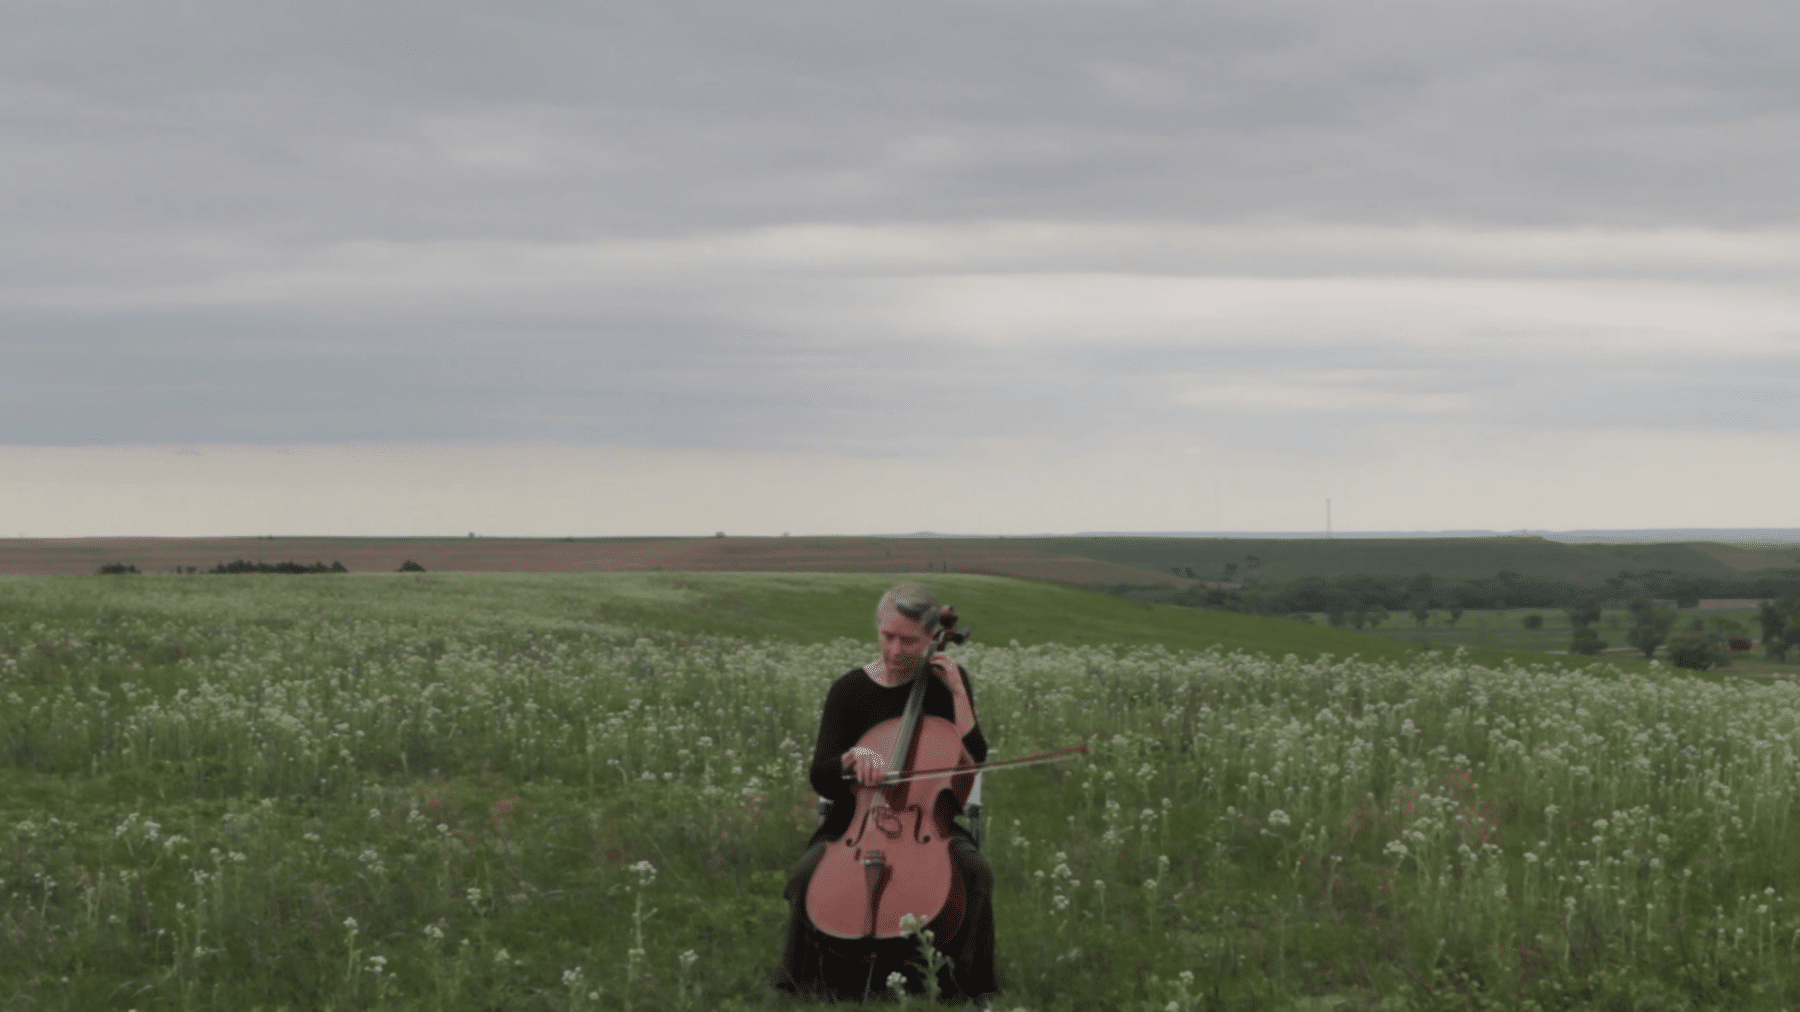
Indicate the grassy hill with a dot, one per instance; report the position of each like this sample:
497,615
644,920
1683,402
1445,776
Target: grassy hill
791,607
1283,559
1083,561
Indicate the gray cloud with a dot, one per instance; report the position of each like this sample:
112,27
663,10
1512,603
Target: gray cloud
240,376
814,226
547,119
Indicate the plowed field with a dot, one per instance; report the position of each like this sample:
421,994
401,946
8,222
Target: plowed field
998,556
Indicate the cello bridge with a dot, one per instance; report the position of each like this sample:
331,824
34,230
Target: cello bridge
889,823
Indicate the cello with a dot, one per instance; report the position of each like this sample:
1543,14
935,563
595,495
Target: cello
894,859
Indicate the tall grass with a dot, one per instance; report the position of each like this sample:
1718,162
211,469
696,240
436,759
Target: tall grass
206,808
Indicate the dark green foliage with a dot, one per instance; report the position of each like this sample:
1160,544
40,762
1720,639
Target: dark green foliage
1789,640
409,566
1585,612
1224,600
1295,575
1583,640
1780,621
1282,559
117,569
246,566
1773,619
1533,621
1651,625
1696,652
1507,589
1586,642
1645,638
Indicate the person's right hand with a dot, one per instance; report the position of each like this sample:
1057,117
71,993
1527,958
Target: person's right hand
868,766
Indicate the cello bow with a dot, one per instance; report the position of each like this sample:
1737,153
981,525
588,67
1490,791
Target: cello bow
1055,755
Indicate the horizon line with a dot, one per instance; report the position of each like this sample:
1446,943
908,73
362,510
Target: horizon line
1733,535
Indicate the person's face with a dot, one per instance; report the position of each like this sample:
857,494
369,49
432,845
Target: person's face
903,643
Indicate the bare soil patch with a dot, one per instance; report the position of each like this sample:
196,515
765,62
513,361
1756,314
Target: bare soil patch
996,556
1748,559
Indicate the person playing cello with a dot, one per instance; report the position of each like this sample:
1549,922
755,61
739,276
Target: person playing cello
905,621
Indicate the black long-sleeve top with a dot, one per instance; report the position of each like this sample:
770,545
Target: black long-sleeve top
855,704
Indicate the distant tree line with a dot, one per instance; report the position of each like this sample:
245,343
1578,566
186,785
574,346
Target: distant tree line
246,566
1345,596
1706,643
1365,601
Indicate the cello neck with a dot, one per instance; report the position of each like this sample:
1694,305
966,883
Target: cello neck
947,633
909,718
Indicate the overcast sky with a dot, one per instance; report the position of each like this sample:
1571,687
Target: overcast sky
670,268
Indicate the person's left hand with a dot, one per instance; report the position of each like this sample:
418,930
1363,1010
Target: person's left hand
946,671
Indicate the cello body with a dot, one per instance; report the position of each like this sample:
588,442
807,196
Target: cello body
895,858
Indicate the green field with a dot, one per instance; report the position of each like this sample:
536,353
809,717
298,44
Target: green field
1447,558
582,792
790,607
1507,630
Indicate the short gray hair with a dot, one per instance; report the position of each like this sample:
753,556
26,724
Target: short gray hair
915,601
